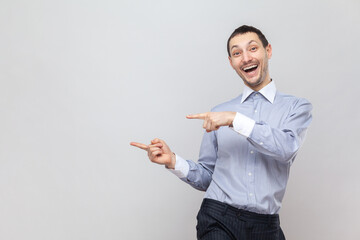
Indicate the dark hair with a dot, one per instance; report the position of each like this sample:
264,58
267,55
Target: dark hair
245,29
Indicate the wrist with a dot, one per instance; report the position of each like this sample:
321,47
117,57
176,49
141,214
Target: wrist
231,118
172,163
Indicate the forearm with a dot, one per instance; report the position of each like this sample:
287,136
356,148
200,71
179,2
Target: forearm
195,174
281,142
199,175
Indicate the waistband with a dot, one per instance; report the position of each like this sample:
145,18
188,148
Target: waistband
224,209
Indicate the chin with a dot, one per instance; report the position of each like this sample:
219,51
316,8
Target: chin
254,83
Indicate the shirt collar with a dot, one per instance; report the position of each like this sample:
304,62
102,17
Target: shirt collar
269,92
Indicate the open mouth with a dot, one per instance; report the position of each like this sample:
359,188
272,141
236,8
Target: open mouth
250,69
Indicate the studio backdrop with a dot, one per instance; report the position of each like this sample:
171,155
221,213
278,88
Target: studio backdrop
80,80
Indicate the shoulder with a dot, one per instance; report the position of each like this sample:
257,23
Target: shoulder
292,101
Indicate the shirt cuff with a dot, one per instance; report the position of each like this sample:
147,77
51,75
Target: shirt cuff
243,124
181,167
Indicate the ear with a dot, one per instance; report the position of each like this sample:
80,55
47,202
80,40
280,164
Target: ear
269,51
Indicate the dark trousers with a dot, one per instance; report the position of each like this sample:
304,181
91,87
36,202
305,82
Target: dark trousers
220,221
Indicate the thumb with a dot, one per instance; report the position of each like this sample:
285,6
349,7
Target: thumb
164,147
155,140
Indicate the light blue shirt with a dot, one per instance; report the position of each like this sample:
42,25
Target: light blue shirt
247,166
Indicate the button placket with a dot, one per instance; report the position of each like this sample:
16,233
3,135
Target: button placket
250,167
250,176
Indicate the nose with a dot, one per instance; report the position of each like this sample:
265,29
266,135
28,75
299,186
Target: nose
246,57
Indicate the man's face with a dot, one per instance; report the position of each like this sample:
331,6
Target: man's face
249,59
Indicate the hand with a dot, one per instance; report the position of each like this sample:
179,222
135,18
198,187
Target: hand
158,152
214,120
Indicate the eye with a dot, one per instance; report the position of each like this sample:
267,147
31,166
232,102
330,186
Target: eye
236,53
253,49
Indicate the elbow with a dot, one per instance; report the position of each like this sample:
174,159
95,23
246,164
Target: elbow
288,157
200,182
287,153
201,186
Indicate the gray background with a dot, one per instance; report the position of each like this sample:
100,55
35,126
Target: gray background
79,80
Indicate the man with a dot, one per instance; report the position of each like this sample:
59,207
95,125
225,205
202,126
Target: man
247,150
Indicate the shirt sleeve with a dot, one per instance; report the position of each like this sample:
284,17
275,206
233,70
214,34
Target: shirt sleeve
243,124
181,167
280,143
199,175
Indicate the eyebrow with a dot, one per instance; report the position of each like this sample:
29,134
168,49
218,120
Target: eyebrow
252,41
234,46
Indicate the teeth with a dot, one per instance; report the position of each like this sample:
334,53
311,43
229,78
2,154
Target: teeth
250,67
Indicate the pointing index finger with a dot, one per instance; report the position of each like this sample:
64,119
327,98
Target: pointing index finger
197,116
139,145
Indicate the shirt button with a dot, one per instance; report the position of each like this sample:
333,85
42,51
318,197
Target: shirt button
251,152
256,111
250,194
250,173
261,143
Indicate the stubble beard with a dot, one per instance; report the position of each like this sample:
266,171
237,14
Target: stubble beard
260,79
